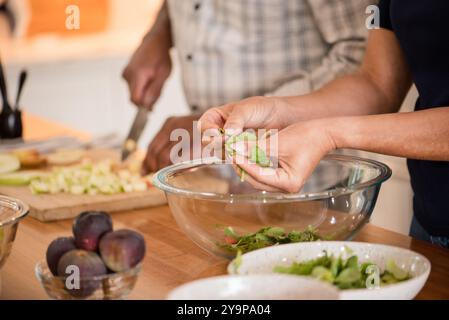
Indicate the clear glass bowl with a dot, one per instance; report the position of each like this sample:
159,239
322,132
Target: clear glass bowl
111,286
11,212
207,196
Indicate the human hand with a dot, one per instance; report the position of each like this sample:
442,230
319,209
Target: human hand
299,148
158,154
148,69
251,113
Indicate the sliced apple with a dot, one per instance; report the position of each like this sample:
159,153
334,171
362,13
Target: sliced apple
8,163
65,157
21,178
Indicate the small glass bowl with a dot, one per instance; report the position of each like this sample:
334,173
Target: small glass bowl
11,212
111,286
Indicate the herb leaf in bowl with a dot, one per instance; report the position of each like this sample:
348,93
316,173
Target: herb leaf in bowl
264,237
344,273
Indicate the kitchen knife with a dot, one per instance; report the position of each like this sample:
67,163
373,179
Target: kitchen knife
130,143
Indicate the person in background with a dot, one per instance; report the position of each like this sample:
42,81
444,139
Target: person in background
229,50
359,111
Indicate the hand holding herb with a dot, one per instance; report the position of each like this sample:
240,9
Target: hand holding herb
256,154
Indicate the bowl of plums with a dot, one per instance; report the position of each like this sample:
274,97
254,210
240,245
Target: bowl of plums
95,263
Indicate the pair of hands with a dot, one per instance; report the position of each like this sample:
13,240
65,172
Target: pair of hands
300,146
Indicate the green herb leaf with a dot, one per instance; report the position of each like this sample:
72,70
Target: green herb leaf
264,237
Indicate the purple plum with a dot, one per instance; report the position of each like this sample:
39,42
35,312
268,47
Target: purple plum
88,264
56,250
89,227
122,249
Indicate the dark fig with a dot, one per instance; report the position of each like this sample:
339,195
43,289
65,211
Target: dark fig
56,250
89,227
122,249
78,267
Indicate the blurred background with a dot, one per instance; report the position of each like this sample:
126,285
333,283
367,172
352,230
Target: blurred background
75,77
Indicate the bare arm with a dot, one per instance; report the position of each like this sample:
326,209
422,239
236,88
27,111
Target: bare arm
418,135
379,86
150,65
161,26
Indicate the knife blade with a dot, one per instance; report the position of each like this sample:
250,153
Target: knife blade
130,143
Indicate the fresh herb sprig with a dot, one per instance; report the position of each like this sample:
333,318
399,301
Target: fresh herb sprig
256,154
264,237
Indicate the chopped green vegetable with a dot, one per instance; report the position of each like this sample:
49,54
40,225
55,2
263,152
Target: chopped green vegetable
256,155
88,178
264,237
397,272
237,262
259,157
345,274
323,273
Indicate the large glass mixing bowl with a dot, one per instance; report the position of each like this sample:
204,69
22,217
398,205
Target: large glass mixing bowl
207,196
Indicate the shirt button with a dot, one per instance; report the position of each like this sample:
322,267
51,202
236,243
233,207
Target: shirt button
189,57
197,6
194,107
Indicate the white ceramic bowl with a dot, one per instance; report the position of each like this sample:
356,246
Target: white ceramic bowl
257,287
264,260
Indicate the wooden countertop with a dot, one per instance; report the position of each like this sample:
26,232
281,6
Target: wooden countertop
172,259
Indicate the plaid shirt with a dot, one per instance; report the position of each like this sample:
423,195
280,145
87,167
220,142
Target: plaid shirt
232,49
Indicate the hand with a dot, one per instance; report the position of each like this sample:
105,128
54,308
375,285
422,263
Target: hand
254,113
148,69
311,141
158,154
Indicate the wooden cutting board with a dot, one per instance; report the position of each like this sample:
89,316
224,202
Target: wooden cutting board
51,207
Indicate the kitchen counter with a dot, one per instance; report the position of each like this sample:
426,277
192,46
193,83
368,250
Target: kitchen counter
172,259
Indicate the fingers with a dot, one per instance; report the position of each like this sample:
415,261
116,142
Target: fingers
244,176
163,158
154,87
215,118
156,146
154,150
274,178
138,81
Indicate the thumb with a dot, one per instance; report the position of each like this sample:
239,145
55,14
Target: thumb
235,123
215,118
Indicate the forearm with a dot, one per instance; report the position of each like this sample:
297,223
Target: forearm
417,135
161,27
379,86
351,95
